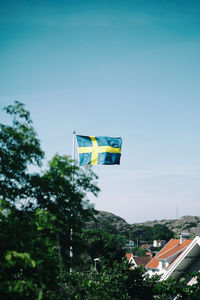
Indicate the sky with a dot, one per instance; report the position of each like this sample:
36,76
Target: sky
113,68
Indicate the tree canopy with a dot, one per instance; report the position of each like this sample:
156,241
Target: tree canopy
19,148
43,216
38,211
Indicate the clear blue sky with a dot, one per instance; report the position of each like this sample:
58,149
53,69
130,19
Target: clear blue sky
115,68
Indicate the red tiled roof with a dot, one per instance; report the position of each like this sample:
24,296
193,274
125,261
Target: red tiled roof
129,255
172,247
177,248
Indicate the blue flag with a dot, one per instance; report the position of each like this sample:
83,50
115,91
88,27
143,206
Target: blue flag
101,150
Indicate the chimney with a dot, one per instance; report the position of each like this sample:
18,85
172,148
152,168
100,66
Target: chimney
184,236
181,238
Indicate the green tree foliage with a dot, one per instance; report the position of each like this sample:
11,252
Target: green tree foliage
104,245
19,148
161,232
19,281
138,251
56,202
27,247
116,282
156,232
62,190
179,290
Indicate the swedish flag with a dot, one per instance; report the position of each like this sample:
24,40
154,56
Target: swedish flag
101,150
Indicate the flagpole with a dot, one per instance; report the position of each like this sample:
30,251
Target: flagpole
73,155
71,230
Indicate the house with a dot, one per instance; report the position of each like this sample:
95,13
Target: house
158,243
151,253
145,246
137,260
130,244
141,260
177,257
129,257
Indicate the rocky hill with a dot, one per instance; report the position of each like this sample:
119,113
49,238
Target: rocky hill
110,222
189,224
114,224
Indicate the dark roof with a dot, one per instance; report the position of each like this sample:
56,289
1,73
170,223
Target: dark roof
141,260
145,246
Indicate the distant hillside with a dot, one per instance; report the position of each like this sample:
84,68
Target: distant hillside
187,223
114,224
109,222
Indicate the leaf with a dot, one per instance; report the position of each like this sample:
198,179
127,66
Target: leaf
33,263
8,256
